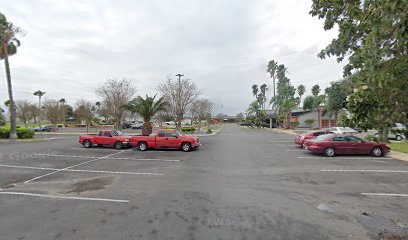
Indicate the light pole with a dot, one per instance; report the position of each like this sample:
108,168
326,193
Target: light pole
179,100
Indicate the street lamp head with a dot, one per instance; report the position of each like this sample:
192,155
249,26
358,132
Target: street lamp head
179,75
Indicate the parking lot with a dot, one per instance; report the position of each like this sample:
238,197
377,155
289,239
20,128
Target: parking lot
241,184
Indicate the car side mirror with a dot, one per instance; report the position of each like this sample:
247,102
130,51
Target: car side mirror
176,136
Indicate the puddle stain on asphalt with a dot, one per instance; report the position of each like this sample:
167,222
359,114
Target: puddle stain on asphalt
93,184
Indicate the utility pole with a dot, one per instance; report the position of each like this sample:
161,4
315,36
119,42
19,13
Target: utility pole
179,100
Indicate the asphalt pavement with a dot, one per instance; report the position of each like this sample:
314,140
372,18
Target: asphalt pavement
241,184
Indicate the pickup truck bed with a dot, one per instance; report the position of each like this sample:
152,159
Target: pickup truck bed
106,138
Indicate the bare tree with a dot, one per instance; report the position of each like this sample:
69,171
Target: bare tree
114,94
23,111
34,112
180,94
83,111
52,111
201,110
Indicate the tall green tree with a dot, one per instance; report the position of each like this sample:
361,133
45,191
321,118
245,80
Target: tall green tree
301,89
255,90
337,95
263,88
373,36
272,70
285,99
147,108
316,90
255,110
8,47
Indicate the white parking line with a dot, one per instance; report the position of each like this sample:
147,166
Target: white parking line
281,141
57,155
76,165
364,170
385,194
133,159
80,170
64,197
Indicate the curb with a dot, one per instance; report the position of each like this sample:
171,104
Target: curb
212,134
398,155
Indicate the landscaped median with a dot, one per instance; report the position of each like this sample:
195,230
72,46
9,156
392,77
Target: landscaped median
22,133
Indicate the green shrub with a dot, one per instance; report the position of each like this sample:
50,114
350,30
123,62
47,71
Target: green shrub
209,131
188,129
371,138
24,133
4,132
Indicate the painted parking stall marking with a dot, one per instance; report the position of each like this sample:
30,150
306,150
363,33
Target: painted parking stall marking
26,194
345,158
76,165
80,170
133,159
385,194
364,170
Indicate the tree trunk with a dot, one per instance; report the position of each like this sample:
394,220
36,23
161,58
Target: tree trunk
147,128
178,123
12,109
383,134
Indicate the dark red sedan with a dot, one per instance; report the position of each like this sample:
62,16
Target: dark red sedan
300,139
333,144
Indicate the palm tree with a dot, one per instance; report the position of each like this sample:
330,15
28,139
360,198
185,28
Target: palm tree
255,90
272,70
8,45
263,88
39,93
146,108
301,90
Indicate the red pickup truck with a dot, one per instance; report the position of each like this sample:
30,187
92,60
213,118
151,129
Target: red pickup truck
106,138
166,139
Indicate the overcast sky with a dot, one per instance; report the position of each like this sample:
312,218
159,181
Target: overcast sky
223,46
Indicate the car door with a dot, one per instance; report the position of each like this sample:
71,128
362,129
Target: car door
161,139
340,145
105,139
357,145
173,140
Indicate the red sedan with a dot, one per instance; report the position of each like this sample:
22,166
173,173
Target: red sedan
300,139
332,144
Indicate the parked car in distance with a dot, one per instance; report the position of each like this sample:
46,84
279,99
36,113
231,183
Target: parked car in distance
338,144
300,139
137,125
166,139
396,132
44,128
342,130
106,138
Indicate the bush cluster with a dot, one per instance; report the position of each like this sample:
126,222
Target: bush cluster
188,129
22,133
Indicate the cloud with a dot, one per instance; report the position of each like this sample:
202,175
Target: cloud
224,46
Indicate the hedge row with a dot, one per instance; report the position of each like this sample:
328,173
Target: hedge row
21,133
185,129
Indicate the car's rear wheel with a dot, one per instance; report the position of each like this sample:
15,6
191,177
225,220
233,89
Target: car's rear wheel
377,152
87,144
186,147
118,145
329,152
399,138
142,146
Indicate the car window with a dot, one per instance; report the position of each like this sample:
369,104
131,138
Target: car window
117,133
171,134
100,133
161,134
339,139
322,137
107,134
353,139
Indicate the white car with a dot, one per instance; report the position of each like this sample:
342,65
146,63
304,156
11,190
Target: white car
342,130
396,132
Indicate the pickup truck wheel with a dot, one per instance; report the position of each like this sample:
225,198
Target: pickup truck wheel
186,147
87,144
142,146
118,145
